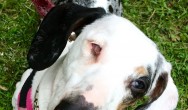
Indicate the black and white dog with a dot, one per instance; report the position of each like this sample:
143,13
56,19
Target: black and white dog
110,64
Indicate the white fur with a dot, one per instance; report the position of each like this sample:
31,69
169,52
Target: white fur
124,47
101,3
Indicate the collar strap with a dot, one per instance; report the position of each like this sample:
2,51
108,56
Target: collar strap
25,89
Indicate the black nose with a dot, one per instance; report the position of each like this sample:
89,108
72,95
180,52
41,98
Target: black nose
76,103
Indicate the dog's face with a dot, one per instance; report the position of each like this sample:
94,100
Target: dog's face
115,64
110,64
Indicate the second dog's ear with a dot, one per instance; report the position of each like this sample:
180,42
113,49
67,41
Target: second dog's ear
53,33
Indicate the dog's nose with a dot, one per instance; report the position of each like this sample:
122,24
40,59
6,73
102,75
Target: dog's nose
76,103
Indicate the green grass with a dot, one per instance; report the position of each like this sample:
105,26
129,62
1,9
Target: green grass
18,22
165,22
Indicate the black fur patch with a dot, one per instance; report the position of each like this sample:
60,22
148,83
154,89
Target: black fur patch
77,103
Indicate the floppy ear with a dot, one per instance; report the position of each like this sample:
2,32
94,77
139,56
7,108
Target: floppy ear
164,96
168,99
53,33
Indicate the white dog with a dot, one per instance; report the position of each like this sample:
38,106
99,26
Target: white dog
110,65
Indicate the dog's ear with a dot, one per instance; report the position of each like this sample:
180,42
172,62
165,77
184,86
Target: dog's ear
164,95
53,33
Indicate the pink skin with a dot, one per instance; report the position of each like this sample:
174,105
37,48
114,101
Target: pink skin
94,94
96,49
43,6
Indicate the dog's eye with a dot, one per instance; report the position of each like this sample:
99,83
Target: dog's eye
139,86
96,49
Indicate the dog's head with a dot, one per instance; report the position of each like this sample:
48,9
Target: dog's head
110,64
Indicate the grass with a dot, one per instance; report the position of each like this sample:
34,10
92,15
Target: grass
18,22
165,22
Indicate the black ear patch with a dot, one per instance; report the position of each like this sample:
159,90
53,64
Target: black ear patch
53,33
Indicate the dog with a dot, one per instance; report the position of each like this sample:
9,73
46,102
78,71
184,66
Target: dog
110,65
110,6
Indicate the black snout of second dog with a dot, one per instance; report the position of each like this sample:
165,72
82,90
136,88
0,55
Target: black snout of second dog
77,103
